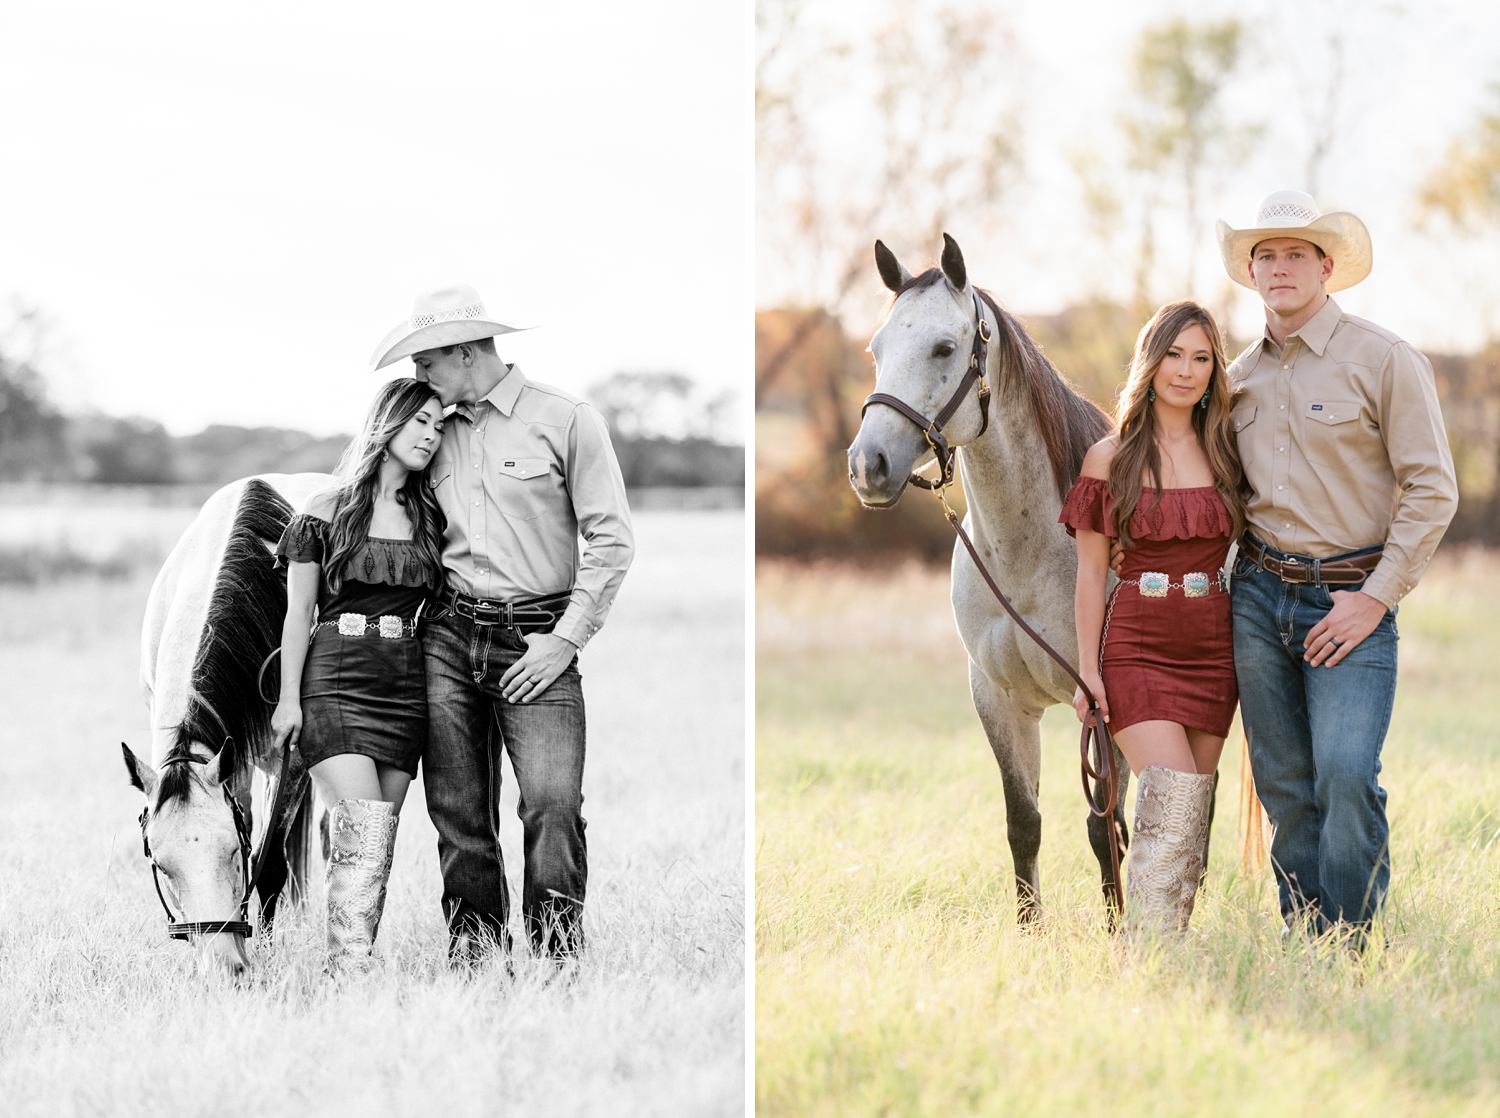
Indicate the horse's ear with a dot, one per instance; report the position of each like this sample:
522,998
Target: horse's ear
953,263
142,775
223,766
892,273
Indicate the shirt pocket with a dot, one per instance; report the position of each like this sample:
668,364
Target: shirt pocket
523,486
1241,417
1330,435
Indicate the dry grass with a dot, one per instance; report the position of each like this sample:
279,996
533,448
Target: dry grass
101,1014
891,976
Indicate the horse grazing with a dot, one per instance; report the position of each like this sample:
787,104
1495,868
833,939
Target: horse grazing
1017,468
213,617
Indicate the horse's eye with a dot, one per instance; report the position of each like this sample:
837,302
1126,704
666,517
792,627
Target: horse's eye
943,349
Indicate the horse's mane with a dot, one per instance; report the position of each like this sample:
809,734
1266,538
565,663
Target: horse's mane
243,626
1069,423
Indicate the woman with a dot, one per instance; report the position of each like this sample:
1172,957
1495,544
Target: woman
362,558
1159,654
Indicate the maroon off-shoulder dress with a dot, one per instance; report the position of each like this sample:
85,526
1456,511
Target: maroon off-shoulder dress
1172,657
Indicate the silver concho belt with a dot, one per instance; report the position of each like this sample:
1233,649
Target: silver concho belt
357,625
1194,584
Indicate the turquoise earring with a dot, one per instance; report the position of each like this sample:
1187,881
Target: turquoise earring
1203,403
1151,393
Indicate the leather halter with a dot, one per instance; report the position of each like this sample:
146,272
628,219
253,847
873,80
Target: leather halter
182,930
932,429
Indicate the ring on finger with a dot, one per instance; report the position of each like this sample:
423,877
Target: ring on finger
1335,641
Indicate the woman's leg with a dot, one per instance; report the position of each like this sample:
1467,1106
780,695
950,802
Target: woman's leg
362,831
346,776
1173,794
1206,750
1157,742
353,776
393,783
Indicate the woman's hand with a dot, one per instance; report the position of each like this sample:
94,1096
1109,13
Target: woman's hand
286,722
1080,701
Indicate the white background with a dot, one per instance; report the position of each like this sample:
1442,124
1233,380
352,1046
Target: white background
220,210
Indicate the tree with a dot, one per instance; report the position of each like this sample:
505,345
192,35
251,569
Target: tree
1177,130
659,405
33,434
1465,186
900,132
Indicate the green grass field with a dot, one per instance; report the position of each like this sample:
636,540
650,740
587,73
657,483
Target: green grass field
891,977
100,1014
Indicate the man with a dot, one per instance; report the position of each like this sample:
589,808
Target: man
1351,486
523,471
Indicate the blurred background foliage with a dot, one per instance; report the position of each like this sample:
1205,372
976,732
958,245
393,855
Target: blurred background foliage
932,95
662,431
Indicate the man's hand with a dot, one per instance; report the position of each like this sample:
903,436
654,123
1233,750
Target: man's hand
545,657
1116,556
1353,618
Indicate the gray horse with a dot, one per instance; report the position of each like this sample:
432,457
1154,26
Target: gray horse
1017,469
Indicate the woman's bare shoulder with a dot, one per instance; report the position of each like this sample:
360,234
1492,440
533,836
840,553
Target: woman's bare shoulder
322,504
1101,454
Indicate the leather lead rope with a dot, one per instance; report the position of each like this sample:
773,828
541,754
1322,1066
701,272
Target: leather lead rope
1096,748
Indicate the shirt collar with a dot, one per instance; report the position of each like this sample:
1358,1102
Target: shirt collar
1316,331
502,397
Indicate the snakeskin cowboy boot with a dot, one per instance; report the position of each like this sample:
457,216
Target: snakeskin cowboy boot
362,841
1166,852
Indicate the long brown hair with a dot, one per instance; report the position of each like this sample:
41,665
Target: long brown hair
358,473
1138,456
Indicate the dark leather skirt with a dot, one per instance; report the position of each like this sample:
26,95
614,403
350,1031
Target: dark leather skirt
366,695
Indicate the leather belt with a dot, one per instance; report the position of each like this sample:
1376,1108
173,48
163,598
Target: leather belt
530,615
1303,570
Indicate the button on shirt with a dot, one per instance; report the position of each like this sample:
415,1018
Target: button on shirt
521,475
1344,447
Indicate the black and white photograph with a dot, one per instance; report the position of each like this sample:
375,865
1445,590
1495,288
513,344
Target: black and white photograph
374,396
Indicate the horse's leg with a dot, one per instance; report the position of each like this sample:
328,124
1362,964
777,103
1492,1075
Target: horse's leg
1098,830
298,848
1016,741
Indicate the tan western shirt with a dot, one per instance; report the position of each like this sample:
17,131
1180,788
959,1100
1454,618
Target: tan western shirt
1344,447
521,475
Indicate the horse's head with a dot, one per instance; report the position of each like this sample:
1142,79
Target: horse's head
922,352
195,840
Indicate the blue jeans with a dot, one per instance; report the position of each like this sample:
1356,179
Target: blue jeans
1315,737
469,722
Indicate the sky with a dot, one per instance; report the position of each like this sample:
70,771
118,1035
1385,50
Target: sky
1416,76
217,211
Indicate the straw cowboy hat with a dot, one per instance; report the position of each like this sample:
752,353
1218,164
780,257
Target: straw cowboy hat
443,318
1290,213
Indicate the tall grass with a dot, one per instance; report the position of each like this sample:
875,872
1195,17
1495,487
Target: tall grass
101,1014
891,977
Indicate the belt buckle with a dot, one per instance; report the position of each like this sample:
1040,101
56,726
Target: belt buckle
1195,584
351,624
1154,584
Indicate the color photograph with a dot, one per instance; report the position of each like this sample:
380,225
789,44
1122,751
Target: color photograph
1126,506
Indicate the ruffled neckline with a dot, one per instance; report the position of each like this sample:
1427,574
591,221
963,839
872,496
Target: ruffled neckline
1196,512
378,559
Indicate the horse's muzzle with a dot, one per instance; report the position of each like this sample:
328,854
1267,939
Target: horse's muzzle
874,482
